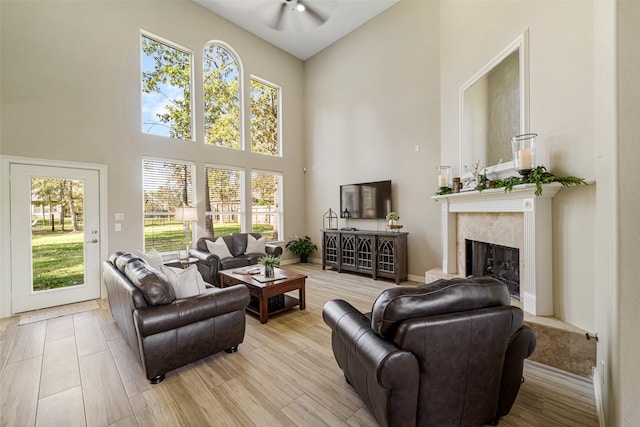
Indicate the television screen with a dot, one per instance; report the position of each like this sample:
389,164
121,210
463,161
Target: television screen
370,200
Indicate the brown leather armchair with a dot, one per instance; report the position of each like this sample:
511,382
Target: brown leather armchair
163,332
449,353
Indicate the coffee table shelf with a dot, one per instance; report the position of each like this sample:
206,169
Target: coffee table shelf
262,292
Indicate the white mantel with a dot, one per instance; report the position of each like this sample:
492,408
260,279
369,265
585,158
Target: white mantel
537,280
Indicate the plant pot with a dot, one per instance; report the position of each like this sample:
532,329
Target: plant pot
304,258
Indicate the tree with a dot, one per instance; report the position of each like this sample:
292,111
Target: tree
221,97
264,118
170,75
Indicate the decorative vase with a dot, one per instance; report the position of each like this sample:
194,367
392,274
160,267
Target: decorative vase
268,271
392,222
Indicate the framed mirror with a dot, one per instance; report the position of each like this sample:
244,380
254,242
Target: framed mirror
493,108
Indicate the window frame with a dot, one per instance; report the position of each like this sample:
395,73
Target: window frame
243,213
279,118
170,214
241,89
280,210
177,46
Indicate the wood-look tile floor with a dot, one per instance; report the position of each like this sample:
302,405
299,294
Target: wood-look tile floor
77,370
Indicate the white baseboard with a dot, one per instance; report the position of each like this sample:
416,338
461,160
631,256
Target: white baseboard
597,392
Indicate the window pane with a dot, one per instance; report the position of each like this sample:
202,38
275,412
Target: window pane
266,202
166,185
166,90
224,201
221,98
264,118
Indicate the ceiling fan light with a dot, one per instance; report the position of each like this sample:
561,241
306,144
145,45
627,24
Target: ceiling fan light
300,7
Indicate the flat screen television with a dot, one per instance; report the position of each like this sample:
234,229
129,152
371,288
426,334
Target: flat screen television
369,200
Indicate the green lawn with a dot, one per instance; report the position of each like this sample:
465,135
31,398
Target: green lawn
58,257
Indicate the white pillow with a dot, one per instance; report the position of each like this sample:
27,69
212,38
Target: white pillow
153,257
186,283
219,247
256,246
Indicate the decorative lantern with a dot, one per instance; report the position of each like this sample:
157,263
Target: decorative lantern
524,153
444,177
330,220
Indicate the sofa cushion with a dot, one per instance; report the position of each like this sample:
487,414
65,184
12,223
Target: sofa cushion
123,259
154,286
256,246
239,243
218,248
186,282
153,257
395,305
235,262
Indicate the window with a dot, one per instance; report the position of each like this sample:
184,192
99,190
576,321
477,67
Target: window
166,89
221,87
265,118
266,193
166,186
224,201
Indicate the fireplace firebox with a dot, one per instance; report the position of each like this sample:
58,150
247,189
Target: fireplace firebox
500,262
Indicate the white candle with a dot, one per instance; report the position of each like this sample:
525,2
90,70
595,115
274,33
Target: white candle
524,159
442,181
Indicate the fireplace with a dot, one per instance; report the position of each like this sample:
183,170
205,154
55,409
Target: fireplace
497,261
534,211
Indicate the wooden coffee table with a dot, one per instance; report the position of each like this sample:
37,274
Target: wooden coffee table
267,297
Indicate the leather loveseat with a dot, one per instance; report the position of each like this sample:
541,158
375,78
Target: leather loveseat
164,332
210,263
449,353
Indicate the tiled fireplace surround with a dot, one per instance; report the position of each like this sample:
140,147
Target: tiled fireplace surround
522,220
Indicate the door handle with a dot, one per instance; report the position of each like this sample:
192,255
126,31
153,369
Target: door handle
92,241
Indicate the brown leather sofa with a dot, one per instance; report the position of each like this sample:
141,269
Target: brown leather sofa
209,264
164,332
449,353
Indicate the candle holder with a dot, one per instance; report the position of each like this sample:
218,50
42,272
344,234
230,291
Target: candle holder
524,154
444,177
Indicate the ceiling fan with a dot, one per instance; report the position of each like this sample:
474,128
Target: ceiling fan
293,12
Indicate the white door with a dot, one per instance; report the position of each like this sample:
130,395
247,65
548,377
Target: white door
55,223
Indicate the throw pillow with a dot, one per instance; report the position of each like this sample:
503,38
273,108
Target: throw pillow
256,246
186,283
153,257
218,247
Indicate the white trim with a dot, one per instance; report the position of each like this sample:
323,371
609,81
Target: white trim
598,381
5,223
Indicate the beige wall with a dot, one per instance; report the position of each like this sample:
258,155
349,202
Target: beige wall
71,91
561,112
370,100
627,369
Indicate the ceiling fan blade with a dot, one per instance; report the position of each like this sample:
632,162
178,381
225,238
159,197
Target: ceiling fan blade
278,22
314,13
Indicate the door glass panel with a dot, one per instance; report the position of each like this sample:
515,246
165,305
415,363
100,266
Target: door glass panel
57,235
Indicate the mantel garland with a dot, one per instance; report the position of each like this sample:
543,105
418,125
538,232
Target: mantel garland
537,176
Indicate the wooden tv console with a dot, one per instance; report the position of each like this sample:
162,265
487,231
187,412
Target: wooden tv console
376,253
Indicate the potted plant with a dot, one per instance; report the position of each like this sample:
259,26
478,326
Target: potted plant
269,261
301,247
392,217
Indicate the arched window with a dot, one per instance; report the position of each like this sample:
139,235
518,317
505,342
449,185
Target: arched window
221,81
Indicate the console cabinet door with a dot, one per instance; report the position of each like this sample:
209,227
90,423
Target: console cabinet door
330,250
